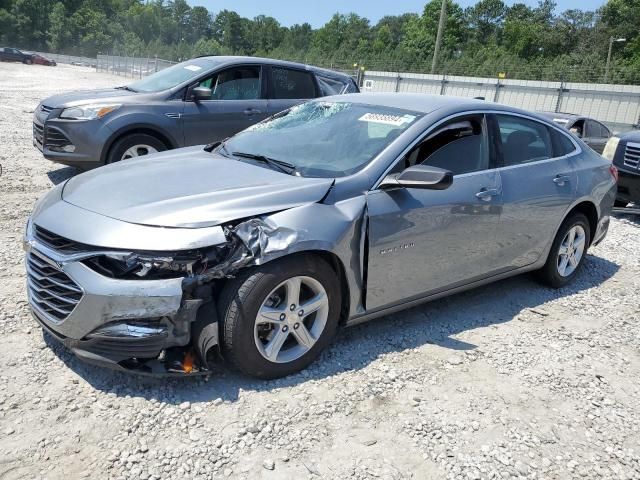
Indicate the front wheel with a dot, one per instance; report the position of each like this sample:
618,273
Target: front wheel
567,253
133,146
28,61
277,318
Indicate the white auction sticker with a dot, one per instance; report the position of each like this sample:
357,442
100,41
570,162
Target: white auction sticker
395,120
193,68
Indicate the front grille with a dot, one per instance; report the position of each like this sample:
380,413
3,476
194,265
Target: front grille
55,138
38,133
57,242
51,291
632,155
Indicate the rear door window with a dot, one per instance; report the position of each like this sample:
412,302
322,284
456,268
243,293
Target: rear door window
596,130
292,84
523,140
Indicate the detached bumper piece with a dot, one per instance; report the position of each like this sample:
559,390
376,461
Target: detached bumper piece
133,346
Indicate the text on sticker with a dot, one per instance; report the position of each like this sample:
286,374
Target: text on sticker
396,120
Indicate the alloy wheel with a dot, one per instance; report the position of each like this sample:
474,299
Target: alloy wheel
138,151
291,319
571,250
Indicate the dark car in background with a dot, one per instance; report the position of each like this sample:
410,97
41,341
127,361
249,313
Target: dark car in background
202,100
9,54
38,59
590,131
624,153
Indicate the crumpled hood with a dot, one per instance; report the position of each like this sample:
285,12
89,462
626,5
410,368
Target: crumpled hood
71,99
189,188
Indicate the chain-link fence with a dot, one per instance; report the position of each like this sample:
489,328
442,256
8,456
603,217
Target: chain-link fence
131,67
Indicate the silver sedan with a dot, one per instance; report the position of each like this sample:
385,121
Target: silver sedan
334,212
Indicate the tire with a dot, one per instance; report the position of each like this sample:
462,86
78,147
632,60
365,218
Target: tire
620,203
28,61
243,297
551,274
123,145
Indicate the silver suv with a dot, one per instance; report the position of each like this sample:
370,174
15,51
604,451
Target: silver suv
194,102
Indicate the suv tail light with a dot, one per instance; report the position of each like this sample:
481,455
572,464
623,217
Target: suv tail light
614,172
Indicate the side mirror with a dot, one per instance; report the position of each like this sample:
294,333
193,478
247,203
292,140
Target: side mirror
201,93
419,176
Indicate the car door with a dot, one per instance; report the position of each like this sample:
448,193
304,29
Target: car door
538,185
596,135
423,241
238,101
289,87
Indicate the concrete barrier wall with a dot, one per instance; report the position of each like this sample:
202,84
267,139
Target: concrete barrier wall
616,105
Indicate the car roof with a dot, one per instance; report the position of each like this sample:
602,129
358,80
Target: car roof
232,59
424,103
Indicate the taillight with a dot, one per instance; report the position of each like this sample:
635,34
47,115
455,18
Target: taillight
614,172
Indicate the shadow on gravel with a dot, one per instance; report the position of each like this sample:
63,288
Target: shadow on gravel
62,174
354,348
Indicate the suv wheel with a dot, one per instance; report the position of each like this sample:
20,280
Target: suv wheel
135,145
277,318
567,253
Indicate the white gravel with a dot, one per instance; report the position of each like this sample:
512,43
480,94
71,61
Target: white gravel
507,381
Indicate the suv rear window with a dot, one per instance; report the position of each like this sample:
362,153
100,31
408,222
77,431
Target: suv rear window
294,84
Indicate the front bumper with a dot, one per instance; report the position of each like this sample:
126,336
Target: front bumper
121,324
74,143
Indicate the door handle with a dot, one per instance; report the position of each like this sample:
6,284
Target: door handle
561,180
486,194
252,111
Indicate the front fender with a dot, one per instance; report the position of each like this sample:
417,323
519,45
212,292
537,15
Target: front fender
334,228
166,128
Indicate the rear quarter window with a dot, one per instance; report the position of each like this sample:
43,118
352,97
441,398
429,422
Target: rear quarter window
562,145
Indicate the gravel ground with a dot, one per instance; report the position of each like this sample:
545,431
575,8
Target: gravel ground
511,380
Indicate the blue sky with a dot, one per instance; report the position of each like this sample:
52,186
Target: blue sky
318,12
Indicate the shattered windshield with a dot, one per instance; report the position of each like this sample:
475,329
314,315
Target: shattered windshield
324,139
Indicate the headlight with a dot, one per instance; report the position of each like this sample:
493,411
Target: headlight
138,266
610,148
88,112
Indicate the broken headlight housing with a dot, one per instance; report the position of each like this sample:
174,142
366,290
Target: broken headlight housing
137,266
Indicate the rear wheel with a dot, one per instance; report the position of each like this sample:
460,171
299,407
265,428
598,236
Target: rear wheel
279,317
567,252
133,146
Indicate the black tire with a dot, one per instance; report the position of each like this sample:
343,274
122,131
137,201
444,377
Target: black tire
549,274
243,296
620,203
28,61
125,143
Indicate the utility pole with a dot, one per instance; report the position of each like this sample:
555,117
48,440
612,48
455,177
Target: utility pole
443,17
606,69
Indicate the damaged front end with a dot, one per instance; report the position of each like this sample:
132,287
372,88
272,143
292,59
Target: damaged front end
148,312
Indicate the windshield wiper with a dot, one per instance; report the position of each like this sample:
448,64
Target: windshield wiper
281,165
